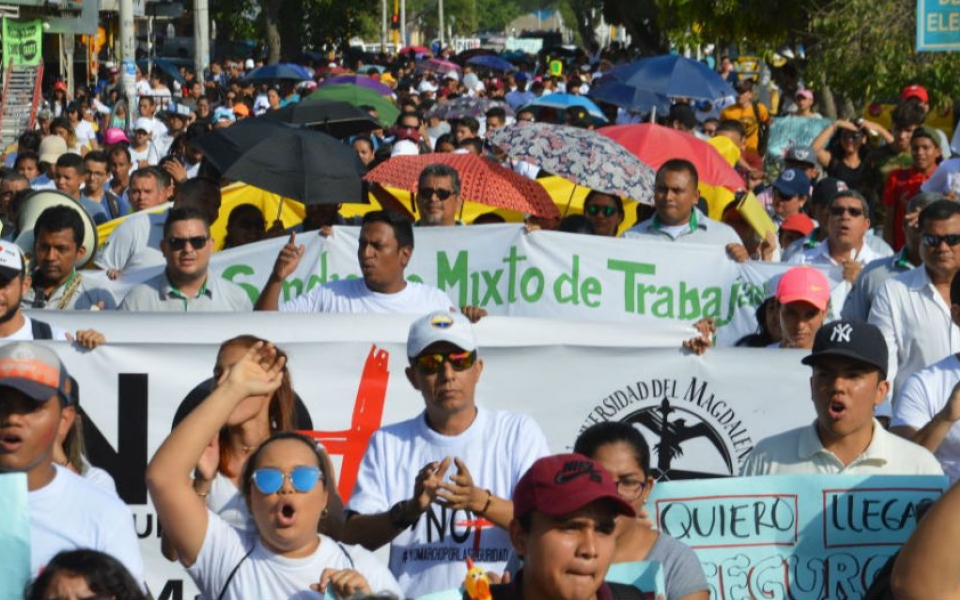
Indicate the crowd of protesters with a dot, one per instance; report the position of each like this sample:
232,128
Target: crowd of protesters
250,507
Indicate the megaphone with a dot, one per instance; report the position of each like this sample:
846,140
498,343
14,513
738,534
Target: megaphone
34,205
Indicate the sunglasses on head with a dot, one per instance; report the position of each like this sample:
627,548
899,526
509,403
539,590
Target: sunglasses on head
838,211
269,480
595,209
433,363
179,243
934,241
427,193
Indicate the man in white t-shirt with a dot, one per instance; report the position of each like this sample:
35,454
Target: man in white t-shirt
66,512
849,380
386,245
437,487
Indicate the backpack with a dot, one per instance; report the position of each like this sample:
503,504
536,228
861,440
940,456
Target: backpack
41,330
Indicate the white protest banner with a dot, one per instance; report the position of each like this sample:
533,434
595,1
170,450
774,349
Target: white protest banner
804,537
702,414
541,274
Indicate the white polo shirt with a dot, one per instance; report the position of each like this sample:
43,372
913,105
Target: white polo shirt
799,451
700,229
915,320
924,394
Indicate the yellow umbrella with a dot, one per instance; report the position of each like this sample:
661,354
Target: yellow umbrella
290,211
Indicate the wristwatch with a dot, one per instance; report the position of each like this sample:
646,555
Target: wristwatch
398,518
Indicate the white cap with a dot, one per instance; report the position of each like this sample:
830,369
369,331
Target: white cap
405,148
11,261
440,326
248,65
144,124
427,86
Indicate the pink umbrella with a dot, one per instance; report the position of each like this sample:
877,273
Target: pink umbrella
439,66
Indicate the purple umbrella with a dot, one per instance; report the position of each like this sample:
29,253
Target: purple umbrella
358,80
466,106
583,156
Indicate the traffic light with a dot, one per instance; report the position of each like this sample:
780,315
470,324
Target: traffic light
395,22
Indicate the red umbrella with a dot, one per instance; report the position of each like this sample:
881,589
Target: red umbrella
481,180
655,145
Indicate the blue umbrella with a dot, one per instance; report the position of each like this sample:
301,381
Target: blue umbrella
288,71
567,101
494,63
614,92
674,76
163,65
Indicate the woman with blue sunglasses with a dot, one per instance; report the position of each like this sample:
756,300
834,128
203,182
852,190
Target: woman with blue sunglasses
284,486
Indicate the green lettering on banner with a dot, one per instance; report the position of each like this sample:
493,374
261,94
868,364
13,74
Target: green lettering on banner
512,259
536,275
292,288
630,291
567,289
231,272
663,306
712,301
453,276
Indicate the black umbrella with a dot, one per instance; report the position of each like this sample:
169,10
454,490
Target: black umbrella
334,117
297,163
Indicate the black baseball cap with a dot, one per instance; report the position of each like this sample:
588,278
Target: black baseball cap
826,189
850,339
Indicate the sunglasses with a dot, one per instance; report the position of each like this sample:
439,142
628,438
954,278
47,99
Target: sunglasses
838,211
934,241
269,480
595,209
430,364
427,193
179,243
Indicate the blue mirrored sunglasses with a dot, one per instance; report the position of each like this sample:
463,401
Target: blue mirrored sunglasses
269,480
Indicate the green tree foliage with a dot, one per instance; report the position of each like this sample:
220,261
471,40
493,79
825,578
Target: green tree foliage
866,50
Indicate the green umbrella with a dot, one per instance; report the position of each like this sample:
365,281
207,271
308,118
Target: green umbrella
358,96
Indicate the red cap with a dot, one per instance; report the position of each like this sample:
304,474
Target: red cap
564,483
805,284
915,91
60,86
798,222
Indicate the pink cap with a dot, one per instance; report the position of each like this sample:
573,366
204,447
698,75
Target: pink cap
804,92
114,135
806,284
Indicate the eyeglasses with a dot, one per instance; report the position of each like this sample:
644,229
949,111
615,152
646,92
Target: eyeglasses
427,193
934,241
595,209
430,364
631,488
269,480
838,211
179,243
851,136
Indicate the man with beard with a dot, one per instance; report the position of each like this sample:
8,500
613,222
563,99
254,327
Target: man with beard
14,325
